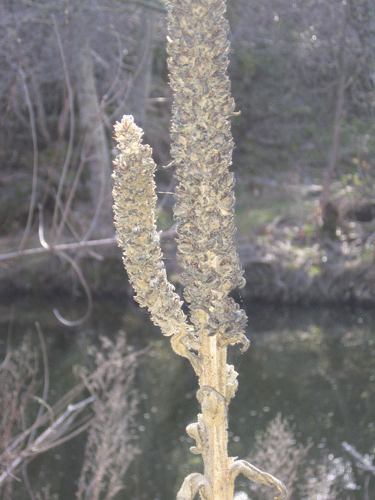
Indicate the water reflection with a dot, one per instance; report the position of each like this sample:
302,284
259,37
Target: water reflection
316,367
317,372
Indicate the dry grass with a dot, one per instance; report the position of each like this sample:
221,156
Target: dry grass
29,426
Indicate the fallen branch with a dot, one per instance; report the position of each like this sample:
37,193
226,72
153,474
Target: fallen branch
58,248
363,463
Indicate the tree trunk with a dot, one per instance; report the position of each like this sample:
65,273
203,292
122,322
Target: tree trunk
96,150
329,222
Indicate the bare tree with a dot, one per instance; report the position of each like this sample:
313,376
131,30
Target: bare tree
288,56
66,73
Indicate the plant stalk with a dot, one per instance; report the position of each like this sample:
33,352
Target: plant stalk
201,148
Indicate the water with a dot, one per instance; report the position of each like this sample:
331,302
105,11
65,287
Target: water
316,367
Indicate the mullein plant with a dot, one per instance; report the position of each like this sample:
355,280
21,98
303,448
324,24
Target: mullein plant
201,148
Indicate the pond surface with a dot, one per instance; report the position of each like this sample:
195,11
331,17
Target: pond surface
314,367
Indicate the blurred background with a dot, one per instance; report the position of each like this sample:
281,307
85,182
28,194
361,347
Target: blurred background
303,77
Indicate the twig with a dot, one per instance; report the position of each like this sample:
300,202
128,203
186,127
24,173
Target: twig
75,266
58,248
64,401
149,5
35,160
99,203
27,482
72,123
130,83
73,189
120,62
363,463
9,334
48,437
87,290
46,376
54,429
74,233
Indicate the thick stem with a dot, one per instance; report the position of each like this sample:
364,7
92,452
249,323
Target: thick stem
215,415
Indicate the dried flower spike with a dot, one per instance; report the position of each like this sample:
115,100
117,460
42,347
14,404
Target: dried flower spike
135,221
201,147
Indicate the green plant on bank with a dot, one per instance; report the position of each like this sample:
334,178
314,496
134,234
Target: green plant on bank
201,148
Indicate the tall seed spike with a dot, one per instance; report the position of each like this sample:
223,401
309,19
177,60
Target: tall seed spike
201,147
135,221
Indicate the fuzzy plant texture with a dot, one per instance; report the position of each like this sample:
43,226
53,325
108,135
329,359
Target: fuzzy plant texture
201,148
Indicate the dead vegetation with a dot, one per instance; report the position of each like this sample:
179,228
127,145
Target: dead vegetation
103,403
